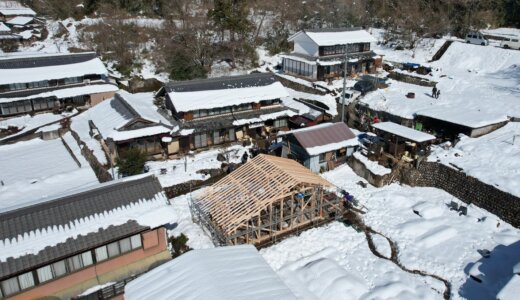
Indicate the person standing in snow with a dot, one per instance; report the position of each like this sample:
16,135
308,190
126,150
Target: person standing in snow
438,94
245,157
434,91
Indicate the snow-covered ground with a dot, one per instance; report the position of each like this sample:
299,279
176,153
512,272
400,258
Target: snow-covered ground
36,169
334,260
493,158
175,168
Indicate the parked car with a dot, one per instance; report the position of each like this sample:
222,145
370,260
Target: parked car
476,38
513,43
364,86
350,95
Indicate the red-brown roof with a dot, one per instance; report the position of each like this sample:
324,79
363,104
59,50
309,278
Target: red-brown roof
324,135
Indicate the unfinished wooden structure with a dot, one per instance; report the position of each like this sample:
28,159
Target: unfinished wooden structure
265,199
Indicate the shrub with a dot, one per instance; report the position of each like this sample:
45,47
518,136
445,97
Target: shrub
131,162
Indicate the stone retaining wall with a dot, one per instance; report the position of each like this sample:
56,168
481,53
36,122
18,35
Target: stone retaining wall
101,173
299,87
192,185
466,188
361,170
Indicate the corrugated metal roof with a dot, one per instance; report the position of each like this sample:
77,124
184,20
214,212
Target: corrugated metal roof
231,82
61,211
324,135
36,61
68,248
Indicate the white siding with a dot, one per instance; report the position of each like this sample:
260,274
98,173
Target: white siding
314,163
305,45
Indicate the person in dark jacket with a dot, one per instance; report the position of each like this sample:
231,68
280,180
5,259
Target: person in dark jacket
438,94
434,92
245,157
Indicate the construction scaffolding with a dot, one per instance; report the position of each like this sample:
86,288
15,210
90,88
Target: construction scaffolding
265,199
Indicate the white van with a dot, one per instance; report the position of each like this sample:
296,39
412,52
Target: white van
513,43
476,38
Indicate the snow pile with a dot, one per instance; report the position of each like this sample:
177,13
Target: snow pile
226,273
372,166
493,158
36,169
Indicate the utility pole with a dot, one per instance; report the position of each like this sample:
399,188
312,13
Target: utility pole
344,84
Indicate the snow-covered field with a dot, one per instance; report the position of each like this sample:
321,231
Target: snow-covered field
36,169
493,158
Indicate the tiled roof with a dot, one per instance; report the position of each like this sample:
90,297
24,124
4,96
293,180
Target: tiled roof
36,61
231,82
61,211
335,133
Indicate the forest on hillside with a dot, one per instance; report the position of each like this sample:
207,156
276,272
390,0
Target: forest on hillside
196,33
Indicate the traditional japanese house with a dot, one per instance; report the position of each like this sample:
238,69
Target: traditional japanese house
319,54
32,83
321,147
264,200
56,248
219,110
127,121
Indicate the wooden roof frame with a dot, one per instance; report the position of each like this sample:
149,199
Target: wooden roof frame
253,187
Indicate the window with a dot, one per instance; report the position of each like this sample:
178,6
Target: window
59,268
74,263
196,114
203,113
232,134
10,286
86,257
216,137
101,253
44,274
201,140
280,123
113,249
322,157
136,241
125,245
26,280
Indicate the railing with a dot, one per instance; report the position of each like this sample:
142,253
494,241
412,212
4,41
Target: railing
108,292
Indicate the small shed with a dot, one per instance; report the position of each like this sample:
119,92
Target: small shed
320,147
400,139
263,200
223,273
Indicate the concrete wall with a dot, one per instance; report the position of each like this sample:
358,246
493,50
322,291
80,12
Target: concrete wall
466,188
360,169
116,269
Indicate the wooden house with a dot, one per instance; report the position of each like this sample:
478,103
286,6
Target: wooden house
219,110
321,147
401,140
319,54
264,200
31,83
57,248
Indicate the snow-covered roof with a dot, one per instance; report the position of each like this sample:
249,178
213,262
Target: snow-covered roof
340,36
15,8
137,133
4,28
20,20
225,91
227,273
266,117
134,204
463,116
34,169
405,132
68,92
143,104
511,290
31,68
